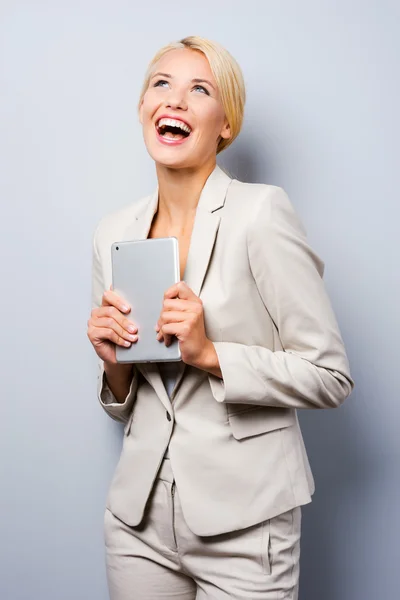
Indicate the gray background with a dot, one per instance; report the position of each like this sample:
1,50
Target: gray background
321,121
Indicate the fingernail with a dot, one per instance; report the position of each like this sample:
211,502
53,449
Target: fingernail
133,338
132,329
126,343
124,308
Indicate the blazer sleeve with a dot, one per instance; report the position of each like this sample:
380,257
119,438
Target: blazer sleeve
312,370
118,411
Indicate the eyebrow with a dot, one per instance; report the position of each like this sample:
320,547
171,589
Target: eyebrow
196,80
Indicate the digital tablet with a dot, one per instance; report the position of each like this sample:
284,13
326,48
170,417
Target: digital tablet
142,271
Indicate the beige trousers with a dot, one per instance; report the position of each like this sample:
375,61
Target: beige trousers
163,559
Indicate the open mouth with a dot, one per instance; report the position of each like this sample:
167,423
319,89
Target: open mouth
172,129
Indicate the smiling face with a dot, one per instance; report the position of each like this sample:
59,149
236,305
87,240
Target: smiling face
181,112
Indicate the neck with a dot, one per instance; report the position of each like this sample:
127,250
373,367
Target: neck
180,190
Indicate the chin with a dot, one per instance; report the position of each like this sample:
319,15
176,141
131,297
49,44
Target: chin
167,159
170,162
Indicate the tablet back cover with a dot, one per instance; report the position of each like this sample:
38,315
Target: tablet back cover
142,271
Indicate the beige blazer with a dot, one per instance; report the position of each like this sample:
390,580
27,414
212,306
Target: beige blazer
235,444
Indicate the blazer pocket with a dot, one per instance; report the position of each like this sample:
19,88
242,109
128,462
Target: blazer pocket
260,419
265,548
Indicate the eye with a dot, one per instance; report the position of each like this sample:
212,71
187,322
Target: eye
203,89
160,81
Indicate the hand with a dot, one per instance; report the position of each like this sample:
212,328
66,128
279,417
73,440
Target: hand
108,326
182,316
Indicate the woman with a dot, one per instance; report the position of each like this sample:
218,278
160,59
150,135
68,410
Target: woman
205,501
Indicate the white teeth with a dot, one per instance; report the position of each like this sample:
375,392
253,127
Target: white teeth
174,123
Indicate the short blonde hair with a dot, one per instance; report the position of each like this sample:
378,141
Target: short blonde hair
227,74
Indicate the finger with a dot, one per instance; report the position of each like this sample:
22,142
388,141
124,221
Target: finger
178,304
114,313
157,328
173,317
180,290
107,334
165,337
110,323
112,299
168,339
160,336
178,330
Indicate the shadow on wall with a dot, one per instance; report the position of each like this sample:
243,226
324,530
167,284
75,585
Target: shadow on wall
333,518
241,162
334,445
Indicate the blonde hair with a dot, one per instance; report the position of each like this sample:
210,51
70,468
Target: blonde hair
227,74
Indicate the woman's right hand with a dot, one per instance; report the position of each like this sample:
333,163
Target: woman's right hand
108,326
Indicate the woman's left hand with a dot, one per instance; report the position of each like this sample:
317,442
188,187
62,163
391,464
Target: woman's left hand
182,316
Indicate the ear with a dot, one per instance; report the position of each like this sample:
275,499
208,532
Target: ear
226,131
141,112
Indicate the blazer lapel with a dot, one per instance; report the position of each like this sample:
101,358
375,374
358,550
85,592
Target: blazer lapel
205,229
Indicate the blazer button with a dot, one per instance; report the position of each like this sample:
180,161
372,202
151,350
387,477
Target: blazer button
168,416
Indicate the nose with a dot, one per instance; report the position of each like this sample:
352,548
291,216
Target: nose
176,100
